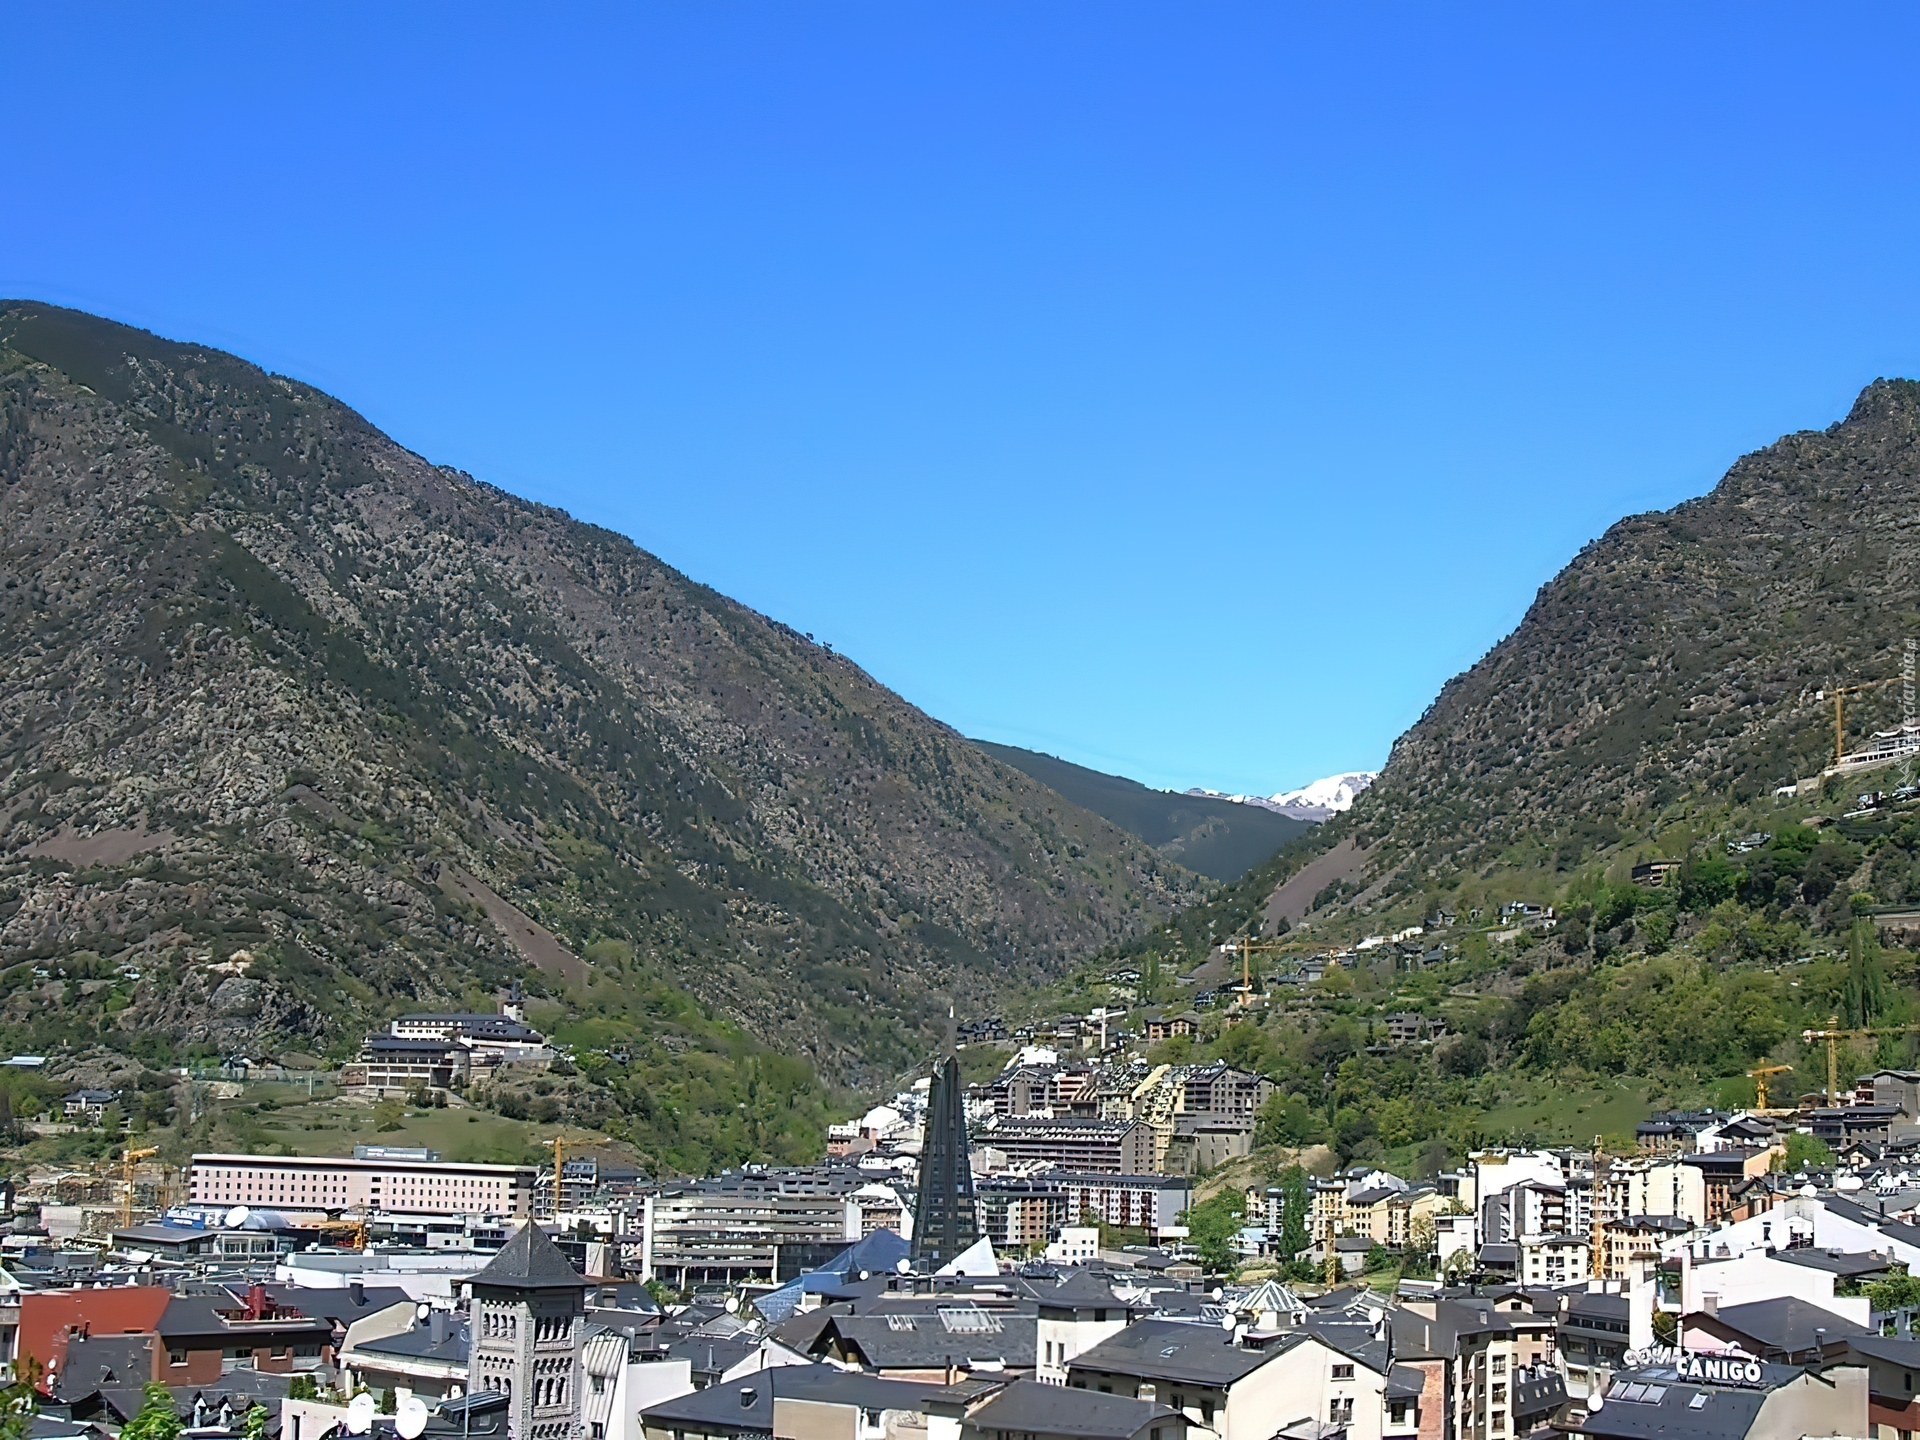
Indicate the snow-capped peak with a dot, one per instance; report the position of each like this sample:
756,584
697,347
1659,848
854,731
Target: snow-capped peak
1320,800
1333,793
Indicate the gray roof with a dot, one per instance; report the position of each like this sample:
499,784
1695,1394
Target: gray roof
1028,1407
1177,1350
1664,1405
1080,1290
1850,1262
531,1261
746,1406
417,1342
920,1341
1785,1324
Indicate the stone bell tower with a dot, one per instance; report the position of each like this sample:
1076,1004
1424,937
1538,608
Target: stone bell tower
527,1317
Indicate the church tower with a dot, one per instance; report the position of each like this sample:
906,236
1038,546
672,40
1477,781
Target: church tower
528,1314
945,1222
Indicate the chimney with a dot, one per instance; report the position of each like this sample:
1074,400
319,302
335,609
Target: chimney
437,1327
358,1291
1710,1302
1148,1391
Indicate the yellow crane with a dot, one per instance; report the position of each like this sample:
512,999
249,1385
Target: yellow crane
1839,694
1759,1075
1833,1035
559,1144
128,1159
1247,947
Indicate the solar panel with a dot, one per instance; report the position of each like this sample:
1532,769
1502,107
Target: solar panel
1655,1394
1698,1401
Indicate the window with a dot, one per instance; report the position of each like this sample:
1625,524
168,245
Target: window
1343,1372
1499,1364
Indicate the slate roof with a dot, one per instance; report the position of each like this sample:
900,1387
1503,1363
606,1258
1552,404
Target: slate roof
1176,1350
745,1407
531,1261
417,1343
1846,1263
93,1362
1081,1290
1030,1408
1726,1413
1785,1324
928,1342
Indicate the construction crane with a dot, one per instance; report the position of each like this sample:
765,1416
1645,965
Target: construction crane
1759,1075
1247,947
128,1159
559,1145
1839,694
1833,1035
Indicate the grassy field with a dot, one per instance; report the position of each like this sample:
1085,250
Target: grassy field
1559,1115
281,1115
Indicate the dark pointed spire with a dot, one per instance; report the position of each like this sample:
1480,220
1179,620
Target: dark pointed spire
945,1222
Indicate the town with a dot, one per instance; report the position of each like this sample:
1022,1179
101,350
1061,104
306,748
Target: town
968,1256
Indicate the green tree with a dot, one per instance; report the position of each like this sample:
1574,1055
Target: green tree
1804,1152
1211,1226
256,1424
1294,1206
157,1419
1866,993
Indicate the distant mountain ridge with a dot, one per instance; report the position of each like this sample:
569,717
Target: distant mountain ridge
1314,802
1677,662
298,729
1209,834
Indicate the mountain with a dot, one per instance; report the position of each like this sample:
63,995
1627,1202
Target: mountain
1325,798
1313,802
1209,834
298,729
1674,671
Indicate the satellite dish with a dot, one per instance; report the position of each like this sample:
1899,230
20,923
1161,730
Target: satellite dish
733,1304
236,1217
866,1274
902,1266
360,1414
412,1418
1218,1292
1596,1400
422,1310
1226,1323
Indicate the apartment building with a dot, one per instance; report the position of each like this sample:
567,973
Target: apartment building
334,1184
1117,1147
758,1225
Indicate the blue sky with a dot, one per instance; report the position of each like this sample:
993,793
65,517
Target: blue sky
1187,391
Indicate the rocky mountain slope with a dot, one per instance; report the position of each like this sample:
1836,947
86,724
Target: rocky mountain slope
1213,835
1681,653
298,729
1675,663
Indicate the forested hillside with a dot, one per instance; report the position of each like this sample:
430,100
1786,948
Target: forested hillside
1657,695
298,729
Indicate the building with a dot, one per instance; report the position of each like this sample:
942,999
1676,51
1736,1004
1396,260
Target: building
497,1039
1552,1259
85,1107
1653,874
946,1223
1151,1203
527,1328
817,1402
1077,1312
333,1184
1472,1354
1731,1398
1116,1147
1026,1411
403,1064
755,1225
1019,1216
